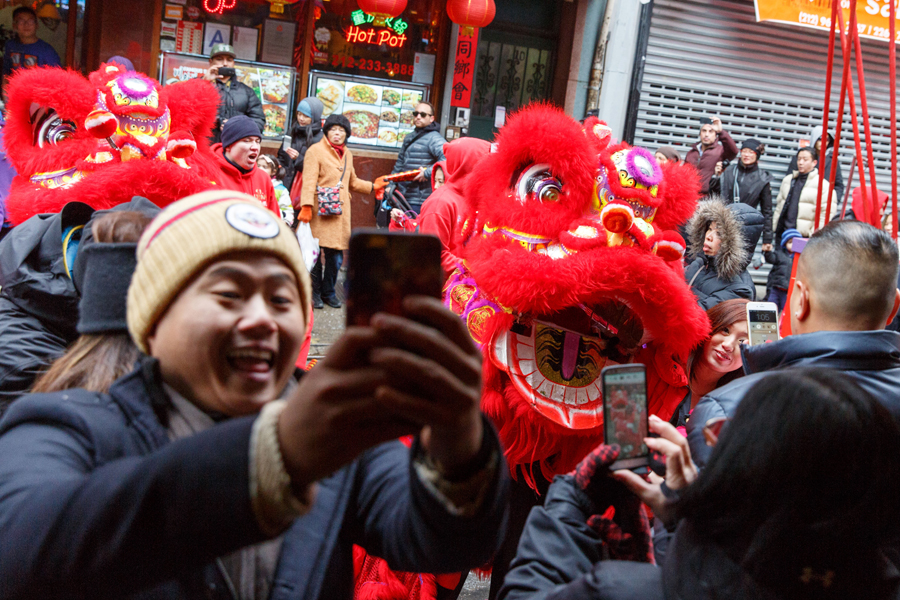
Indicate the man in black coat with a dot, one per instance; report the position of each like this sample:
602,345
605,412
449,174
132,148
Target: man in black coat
420,150
235,97
743,181
844,294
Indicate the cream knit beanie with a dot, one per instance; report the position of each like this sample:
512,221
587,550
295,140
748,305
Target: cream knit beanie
187,235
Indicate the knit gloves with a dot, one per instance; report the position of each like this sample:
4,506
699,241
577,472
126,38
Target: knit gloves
621,519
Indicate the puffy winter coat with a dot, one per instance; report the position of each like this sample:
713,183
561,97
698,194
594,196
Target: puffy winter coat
560,557
806,211
421,148
237,99
38,299
301,140
146,517
753,188
723,276
814,135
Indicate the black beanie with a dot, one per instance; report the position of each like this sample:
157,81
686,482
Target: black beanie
104,288
340,120
755,145
237,128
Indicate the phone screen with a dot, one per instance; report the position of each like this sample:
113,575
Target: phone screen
763,326
625,410
385,267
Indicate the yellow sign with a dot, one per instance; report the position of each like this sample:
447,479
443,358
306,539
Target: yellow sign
872,15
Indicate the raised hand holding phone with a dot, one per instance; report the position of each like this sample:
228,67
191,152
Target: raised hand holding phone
762,322
625,414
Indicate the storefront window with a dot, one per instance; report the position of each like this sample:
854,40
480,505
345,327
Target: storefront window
375,74
348,41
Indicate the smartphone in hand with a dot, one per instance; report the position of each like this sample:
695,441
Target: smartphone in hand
762,322
625,418
385,267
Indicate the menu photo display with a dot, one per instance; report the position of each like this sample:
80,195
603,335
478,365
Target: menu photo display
378,115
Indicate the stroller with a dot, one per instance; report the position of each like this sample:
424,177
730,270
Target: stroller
388,199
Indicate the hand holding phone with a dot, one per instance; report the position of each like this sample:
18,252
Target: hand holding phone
385,267
762,322
625,418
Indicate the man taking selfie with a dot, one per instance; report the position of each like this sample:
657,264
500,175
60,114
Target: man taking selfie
715,145
211,472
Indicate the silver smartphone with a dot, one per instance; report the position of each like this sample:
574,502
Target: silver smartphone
286,142
625,418
762,322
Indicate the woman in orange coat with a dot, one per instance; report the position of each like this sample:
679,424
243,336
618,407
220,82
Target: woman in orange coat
329,164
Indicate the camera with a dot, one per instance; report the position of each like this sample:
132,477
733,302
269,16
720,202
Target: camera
226,72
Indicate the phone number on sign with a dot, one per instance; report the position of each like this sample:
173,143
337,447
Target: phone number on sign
863,28
365,64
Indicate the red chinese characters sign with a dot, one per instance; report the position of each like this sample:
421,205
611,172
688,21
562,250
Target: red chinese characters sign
464,70
871,15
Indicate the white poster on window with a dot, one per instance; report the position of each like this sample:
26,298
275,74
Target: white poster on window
278,42
423,68
215,33
245,42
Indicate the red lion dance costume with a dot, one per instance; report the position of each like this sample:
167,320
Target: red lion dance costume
103,139
571,264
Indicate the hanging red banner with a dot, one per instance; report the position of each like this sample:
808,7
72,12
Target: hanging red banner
464,70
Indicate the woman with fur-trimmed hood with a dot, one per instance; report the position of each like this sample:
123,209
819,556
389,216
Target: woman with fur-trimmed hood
722,241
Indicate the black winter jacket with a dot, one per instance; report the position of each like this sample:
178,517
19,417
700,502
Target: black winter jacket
38,299
754,188
235,98
724,276
301,139
560,557
872,358
96,502
419,149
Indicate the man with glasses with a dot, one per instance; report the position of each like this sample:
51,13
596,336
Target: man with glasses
421,149
26,50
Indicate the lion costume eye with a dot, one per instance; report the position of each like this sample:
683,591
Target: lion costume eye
537,182
49,129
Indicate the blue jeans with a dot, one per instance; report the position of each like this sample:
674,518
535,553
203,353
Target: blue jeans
779,297
323,284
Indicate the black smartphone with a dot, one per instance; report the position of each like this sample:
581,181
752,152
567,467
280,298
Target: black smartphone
625,418
386,266
226,72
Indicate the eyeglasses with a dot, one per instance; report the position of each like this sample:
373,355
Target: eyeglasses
416,113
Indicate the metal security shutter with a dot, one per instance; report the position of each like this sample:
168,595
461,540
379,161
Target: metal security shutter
764,80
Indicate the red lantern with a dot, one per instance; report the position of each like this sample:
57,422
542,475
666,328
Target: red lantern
382,9
469,14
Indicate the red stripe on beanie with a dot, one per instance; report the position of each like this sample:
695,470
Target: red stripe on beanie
183,214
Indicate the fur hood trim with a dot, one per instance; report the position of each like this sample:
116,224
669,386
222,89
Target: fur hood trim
732,257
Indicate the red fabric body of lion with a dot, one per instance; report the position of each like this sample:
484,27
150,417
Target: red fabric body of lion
104,139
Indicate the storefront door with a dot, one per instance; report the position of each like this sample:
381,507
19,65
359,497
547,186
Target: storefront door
511,71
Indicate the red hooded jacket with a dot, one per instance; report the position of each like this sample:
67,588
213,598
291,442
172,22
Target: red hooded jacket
257,182
441,212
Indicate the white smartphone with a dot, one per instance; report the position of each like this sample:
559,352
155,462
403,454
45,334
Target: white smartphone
762,322
286,142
